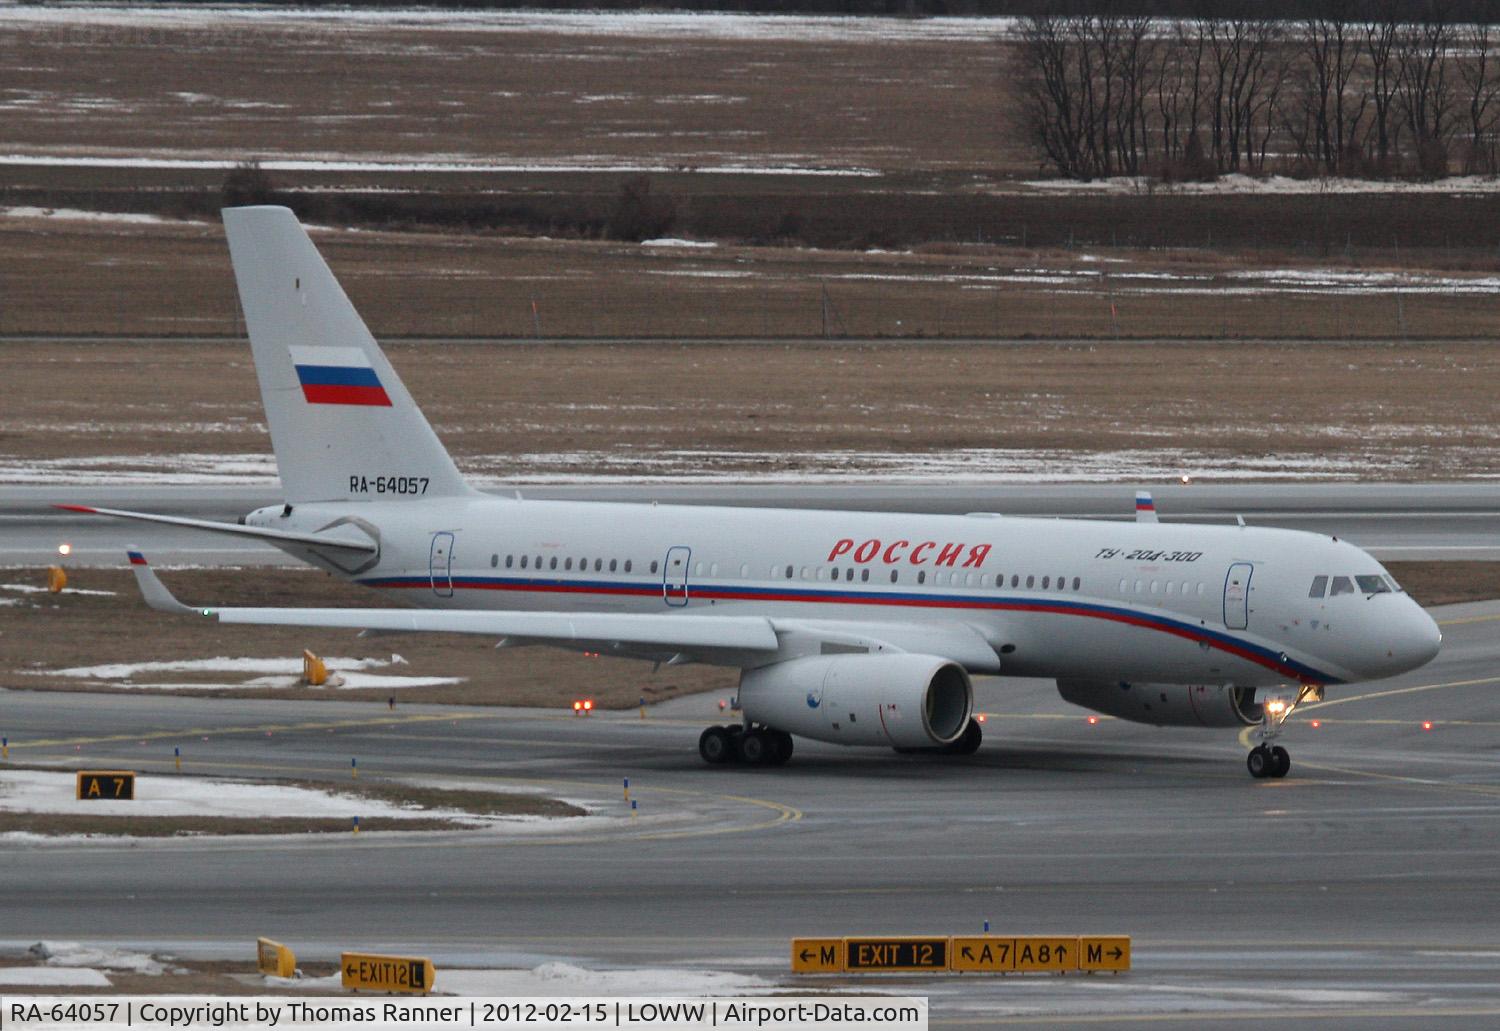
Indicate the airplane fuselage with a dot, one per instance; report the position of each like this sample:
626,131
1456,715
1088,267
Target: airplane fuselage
1050,597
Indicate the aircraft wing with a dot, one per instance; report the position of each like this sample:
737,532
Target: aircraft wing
365,546
624,633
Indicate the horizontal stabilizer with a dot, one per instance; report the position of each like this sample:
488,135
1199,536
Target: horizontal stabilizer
319,540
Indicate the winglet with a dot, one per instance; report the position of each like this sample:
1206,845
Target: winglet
155,592
1145,507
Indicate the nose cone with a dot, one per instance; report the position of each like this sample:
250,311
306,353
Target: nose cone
1415,641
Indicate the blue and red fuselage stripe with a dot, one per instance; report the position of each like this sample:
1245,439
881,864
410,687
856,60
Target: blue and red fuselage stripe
1270,659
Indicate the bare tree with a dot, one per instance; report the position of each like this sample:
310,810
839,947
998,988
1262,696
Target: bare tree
1332,53
1426,85
1050,95
1379,45
1480,86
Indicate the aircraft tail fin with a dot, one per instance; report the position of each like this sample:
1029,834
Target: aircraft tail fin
342,424
1145,507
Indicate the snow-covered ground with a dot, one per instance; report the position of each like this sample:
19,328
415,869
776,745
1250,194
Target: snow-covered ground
1271,184
40,791
75,215
408,163
65,964
228,674
977,465
654,24
34,589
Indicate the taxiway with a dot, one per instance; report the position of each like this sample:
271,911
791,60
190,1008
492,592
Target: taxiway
1361,890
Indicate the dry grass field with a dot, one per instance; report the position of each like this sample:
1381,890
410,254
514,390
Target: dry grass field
1413,411
267,86
72,276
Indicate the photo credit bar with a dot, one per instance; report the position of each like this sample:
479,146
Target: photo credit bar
454,1013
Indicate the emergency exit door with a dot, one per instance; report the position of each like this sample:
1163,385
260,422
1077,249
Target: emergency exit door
440,565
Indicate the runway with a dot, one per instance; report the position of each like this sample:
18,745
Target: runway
1457,521
1361,891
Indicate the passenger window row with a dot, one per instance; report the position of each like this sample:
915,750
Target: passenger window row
847,574
1167,587
565,563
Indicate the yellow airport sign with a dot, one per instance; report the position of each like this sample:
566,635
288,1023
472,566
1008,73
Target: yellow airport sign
879,955
817,955
987,954
1104,952
274,959
118,784
386,973
1049,955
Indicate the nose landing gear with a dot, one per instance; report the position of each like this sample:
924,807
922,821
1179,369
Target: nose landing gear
1268,762
1271,760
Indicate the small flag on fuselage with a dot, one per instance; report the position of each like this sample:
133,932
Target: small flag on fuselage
338,376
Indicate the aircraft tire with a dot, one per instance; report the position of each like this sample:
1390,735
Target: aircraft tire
715,746
1282,760
755,748
781,747
1259,762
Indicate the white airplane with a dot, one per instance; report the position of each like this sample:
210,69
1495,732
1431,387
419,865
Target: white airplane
857,628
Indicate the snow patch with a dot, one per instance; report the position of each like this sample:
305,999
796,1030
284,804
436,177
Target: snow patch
52,977
275,672
669,241
33,589
75,955
75,215
394,163
36,791
1271,184
566,979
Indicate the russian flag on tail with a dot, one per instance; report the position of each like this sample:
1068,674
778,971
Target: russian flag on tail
338,376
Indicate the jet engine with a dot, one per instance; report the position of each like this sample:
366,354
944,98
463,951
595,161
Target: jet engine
901,700
1166,705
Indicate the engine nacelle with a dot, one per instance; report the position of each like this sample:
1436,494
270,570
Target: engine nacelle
1166,705
901,700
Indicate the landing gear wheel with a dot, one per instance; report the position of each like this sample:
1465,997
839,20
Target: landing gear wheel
1282,761
969,741
755,748
715,746
781,747
1260,762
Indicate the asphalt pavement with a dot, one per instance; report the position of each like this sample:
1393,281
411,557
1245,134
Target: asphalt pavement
1362,890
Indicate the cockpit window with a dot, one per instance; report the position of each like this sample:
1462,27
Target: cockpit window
1341,585
1392,581
1319,587
1372,584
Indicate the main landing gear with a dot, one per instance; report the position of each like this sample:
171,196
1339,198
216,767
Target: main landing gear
757,746
1271,760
